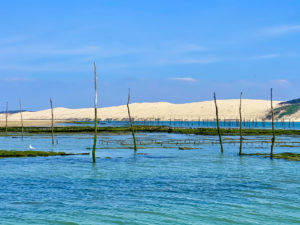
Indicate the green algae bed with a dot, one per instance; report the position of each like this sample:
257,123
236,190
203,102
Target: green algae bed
286,155
186,148
12,153
165,129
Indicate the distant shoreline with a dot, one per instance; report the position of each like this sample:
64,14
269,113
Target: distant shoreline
256,110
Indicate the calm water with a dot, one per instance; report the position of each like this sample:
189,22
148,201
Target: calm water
164,185
193,124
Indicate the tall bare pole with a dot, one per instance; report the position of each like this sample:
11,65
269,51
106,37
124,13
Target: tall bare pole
22,124
96,118
241,125
131,124
6,117
52,121
218,125
273,128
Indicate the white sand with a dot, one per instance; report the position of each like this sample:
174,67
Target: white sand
228,109
26,123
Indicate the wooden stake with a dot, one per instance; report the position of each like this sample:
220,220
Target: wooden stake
52,122
218,125
241,125
22,125
273,129
131,124
6,117
96,118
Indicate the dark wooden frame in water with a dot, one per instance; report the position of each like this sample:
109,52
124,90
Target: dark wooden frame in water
160,129
131,123
273,127
96,116
218,124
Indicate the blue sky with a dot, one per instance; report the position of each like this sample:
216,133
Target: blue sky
175,51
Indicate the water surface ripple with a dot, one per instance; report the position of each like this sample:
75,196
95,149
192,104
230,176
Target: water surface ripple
163,186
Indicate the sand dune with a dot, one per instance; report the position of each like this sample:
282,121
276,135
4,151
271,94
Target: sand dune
228,109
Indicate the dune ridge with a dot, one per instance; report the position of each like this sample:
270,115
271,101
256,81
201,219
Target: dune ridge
205,110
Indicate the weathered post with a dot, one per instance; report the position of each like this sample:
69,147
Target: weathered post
131,124
273,129
96,118
52,122
6,117
241,125
22,125
218,125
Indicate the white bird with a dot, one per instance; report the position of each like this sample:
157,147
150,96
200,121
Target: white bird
31,148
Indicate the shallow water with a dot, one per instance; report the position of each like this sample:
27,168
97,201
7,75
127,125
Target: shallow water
193,124
164,185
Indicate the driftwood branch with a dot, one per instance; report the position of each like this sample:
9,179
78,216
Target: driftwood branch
131,124
218,124
6,117
273,127
241,125
52,121
96,116
22,124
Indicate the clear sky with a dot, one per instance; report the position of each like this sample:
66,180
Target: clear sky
164,50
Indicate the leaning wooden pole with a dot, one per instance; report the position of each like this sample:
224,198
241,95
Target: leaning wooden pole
52,121
22,124
241,125
131,124
218,124
273,129
96,118
6,117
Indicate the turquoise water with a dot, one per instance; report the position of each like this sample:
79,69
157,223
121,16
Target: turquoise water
163,185
193,124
